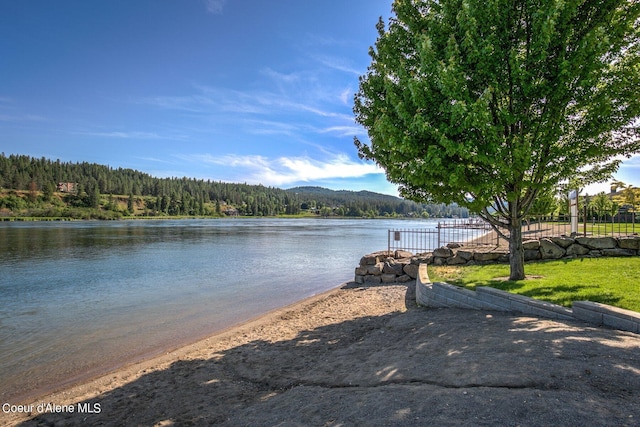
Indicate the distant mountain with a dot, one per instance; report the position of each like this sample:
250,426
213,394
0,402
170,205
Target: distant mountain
353,203
368,203
340,193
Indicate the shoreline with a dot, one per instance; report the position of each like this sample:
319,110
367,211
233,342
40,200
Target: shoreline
176,218
150,355
367,354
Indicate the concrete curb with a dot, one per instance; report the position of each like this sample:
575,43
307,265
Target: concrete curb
440,294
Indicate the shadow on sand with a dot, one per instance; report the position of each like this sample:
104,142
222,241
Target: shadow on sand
417,367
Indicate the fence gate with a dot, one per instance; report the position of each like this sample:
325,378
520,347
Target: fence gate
413,240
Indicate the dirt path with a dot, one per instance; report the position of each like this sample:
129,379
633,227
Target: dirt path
369,356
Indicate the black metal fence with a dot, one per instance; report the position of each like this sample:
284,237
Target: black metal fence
467,232
548,226
477,232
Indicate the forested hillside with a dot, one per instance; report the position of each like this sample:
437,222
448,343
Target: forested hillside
383,204
47,188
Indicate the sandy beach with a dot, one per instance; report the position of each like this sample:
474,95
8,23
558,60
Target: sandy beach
367,355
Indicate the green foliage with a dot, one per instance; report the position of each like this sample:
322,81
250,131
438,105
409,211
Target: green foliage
142,194
175,196
13,202
47,191
545,203
601,205
488,103
130,204
631,197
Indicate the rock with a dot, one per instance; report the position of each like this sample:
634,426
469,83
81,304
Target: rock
456,260
374,258
597,242
629,242
359,279
411,270
504,258
594,253
372,279
577,250
443,253
454,245
402,254
439,261
392,267
388,278
404,278
487,256
375,270
466,255
550,250
361,271
618,252
532,254
530,245
563,241
422,259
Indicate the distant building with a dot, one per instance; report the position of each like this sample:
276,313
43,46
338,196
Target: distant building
230,211
67,187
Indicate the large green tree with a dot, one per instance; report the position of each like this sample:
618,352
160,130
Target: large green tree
487,103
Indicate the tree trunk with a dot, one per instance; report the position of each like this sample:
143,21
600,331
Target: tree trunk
516,250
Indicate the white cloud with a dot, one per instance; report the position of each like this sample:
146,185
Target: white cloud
212,101
339,64
305,169
346,96
215,6
288,170
342,130
282,77
270,127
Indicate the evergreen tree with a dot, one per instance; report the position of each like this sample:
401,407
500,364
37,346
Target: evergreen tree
130,204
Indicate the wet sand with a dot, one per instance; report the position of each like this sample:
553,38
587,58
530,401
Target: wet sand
367,355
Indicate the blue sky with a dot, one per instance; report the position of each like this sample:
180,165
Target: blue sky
249,91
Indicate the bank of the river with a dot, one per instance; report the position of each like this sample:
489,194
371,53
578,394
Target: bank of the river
367,356
133,218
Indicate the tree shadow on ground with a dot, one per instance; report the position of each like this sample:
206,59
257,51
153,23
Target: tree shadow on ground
417,367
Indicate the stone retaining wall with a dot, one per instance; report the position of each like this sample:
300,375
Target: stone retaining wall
402,266
485,298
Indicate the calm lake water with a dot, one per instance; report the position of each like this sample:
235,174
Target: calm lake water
80,298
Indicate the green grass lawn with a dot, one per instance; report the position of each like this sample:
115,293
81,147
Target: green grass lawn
605,228
600,228
613,281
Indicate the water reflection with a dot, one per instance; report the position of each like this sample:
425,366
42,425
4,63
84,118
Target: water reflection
79,296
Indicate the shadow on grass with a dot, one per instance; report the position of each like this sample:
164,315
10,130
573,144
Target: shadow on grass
558,294
562,294
418,367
